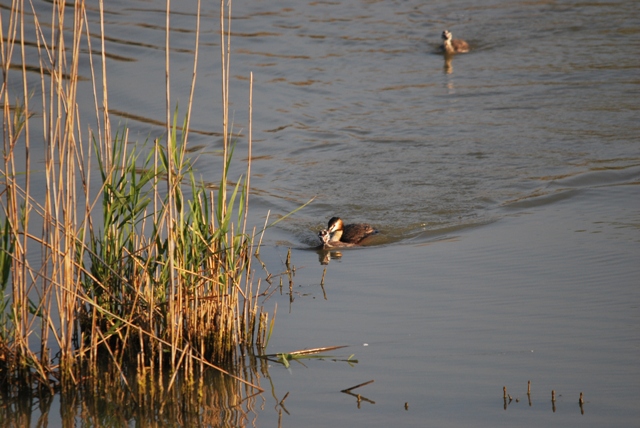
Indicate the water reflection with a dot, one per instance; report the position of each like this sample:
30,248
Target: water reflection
196,399
193,397
325,256
360,398
448,65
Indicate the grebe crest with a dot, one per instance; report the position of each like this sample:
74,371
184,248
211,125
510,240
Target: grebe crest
451,46
348,233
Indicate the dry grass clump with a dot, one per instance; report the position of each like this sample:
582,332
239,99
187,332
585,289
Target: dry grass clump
137,275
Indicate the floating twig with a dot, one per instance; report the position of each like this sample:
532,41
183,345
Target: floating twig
317,350
284,357
357,386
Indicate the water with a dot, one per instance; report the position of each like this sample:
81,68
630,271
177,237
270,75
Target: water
373,122
504,183
547,295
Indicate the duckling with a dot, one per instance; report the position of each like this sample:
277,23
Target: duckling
450,46
325,236
349,233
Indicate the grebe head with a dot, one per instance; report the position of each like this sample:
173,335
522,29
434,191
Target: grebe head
335,224
446,35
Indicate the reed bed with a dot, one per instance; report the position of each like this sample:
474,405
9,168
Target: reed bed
149,275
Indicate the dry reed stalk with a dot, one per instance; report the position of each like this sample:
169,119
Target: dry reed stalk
12,125
250,141
173,332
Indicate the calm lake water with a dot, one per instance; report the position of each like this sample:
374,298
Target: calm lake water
505,184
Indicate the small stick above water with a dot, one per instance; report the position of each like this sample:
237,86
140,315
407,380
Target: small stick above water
357,386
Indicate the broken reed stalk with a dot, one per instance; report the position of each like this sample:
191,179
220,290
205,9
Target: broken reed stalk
250,141
147,274
357,386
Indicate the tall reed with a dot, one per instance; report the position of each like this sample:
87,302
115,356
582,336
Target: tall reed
150,272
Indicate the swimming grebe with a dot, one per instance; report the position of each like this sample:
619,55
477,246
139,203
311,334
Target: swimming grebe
349,233
451,46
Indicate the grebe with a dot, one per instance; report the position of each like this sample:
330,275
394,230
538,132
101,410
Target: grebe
451,46
349,233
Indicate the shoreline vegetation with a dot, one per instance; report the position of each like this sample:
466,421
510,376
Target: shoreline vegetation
138,287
